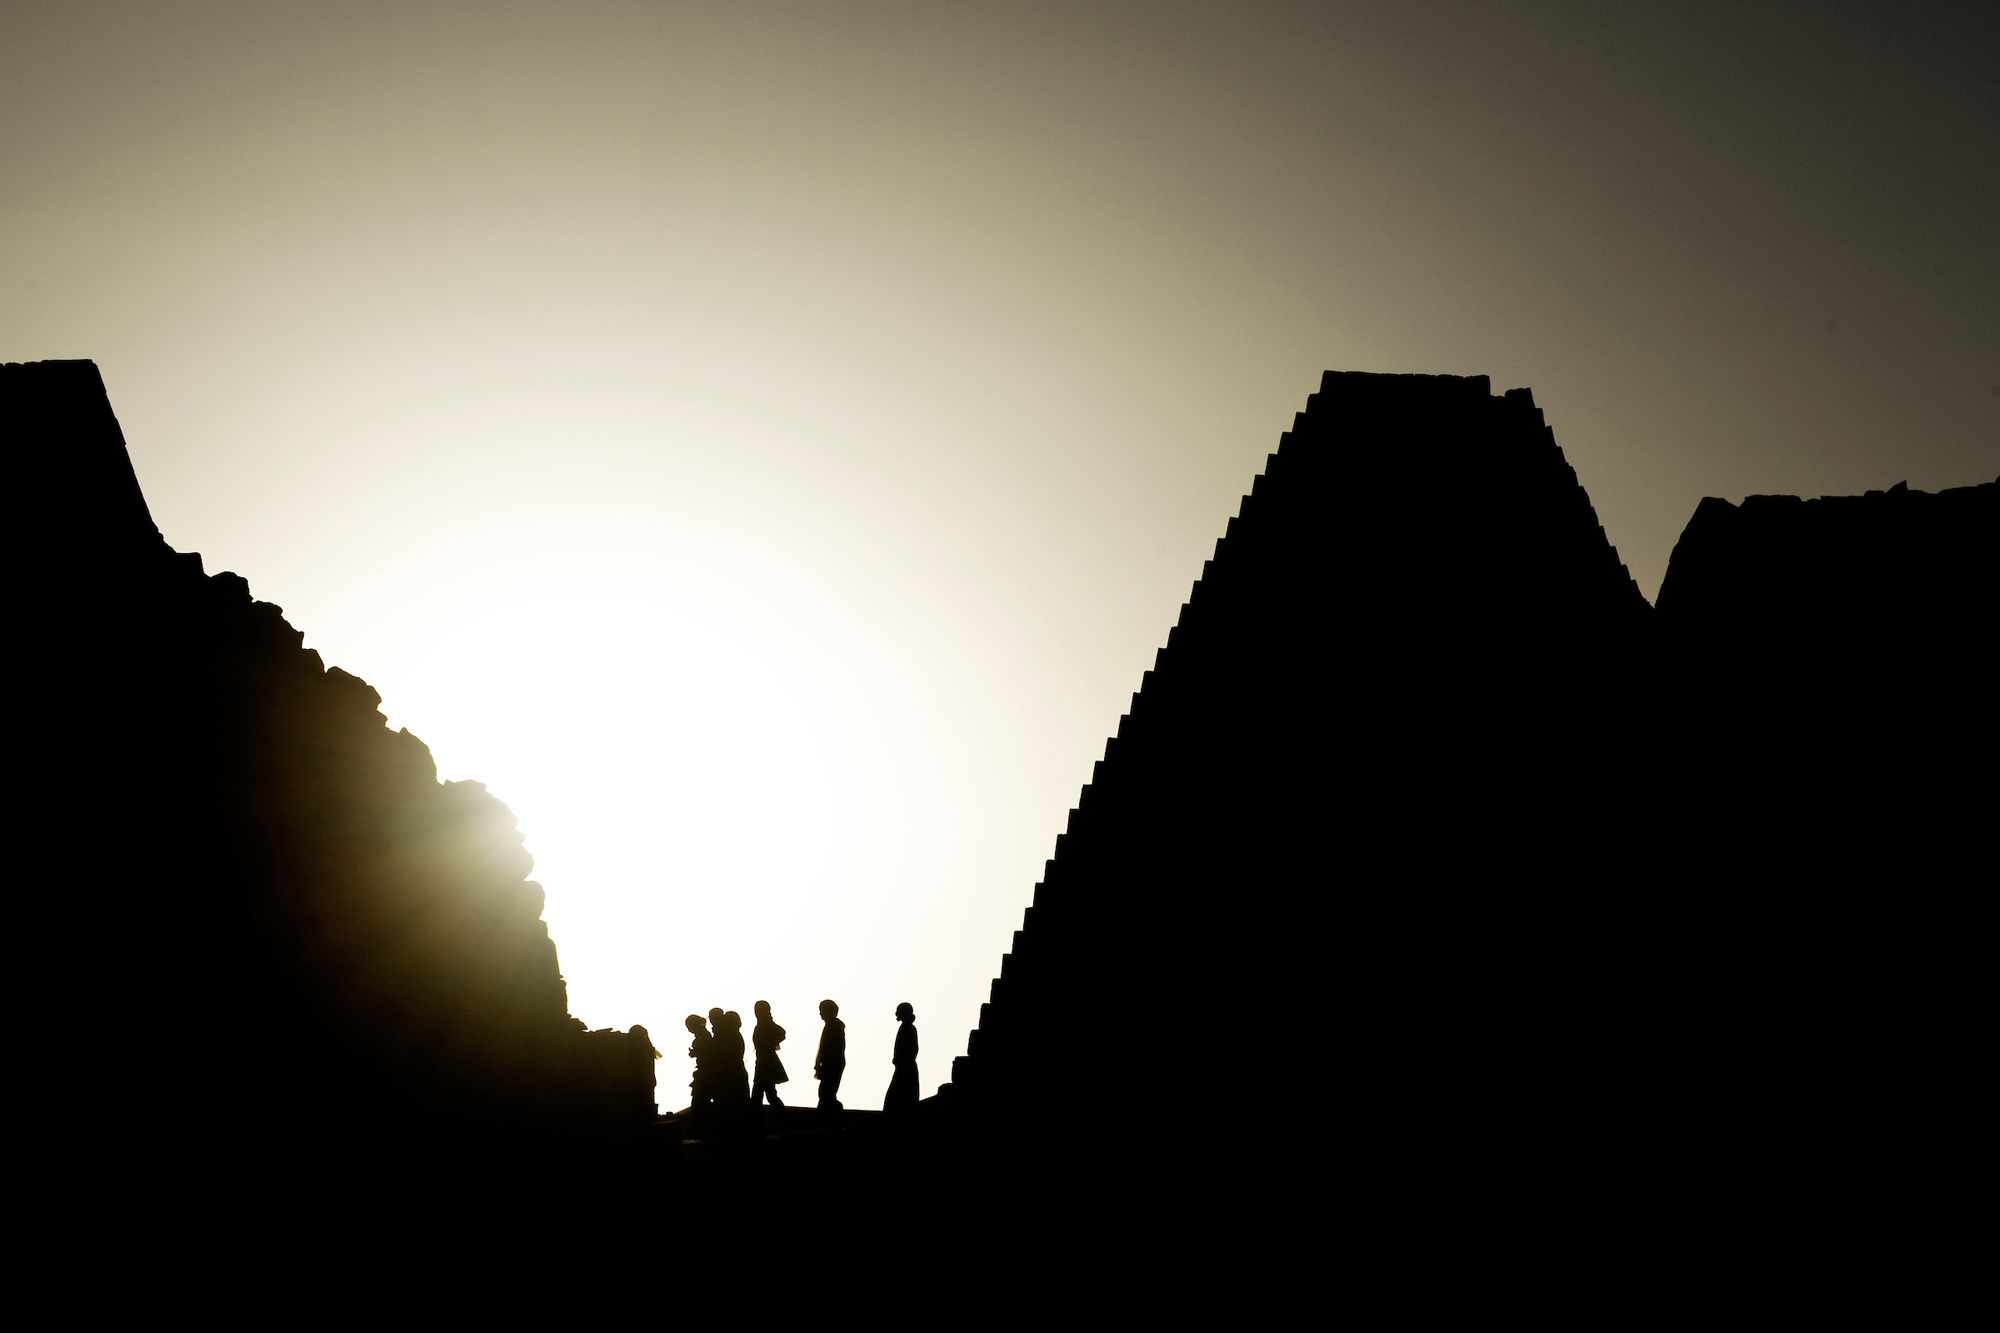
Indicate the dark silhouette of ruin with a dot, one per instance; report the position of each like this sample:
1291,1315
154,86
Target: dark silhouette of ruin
260,897
1618,909
1376,768
1610,907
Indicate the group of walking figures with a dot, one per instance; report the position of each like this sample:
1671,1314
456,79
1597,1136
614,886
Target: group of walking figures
723,1094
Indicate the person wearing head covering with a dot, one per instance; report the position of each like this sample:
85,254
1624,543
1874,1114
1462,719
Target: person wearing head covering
700,1088
831,1061
765,1039
902,1098
644,1081
732,1078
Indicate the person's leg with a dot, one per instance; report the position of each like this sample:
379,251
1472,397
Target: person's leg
769,1091
765,1089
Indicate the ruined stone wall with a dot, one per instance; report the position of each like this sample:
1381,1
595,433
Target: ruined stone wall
1824,809
259,921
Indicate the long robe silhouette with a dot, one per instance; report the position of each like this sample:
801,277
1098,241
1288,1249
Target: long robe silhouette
902,1096
644,1079
765,1038
830,1063
732,1078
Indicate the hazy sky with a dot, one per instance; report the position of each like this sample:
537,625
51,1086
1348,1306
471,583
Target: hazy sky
765,443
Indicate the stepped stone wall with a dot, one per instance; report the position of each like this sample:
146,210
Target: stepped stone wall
1372,770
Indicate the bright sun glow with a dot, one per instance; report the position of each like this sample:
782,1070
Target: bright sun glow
729,787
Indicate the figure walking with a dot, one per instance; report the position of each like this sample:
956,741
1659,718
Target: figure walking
902,1099
765,1038
831,1062
701,1092
732,1079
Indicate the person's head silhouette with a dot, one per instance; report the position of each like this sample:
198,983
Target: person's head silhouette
734,1019
763,1010
829,1010
697,1025
715,1017
906,1013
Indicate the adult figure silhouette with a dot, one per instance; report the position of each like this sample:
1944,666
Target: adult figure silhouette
765,1039
831,1061
902,1099
644,1081
732,1079
701,1088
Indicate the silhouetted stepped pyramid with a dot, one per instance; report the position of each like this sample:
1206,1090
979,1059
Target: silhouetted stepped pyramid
1378,758
263,921
1565,907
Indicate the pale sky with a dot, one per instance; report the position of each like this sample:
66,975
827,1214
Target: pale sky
766,443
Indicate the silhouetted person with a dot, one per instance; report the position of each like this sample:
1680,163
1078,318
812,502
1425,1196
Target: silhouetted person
902,1098
644,1080
732,1078
831,1061
765,1038
701,1087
